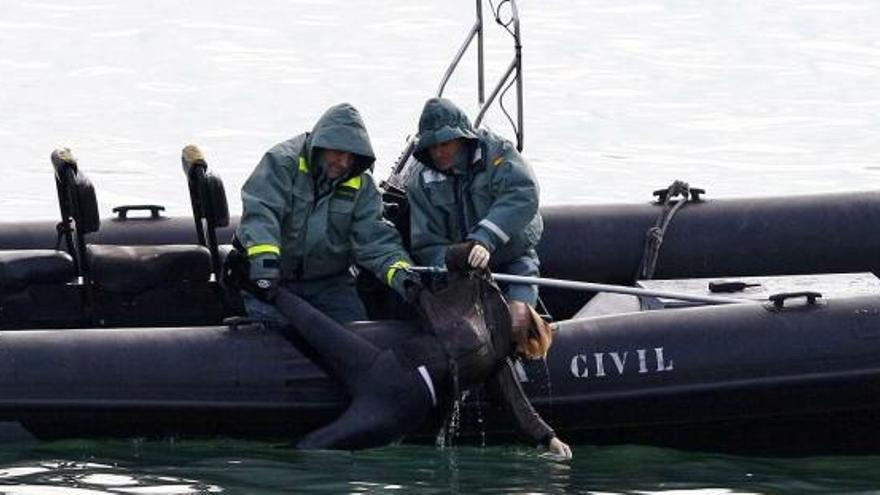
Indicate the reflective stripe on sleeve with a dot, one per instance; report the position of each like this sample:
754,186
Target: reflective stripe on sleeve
263,249
389,275
495,230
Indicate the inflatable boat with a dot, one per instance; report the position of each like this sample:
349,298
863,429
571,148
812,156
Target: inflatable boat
123,326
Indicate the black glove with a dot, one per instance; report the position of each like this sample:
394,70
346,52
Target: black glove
266,289
236,270
412,289
265,274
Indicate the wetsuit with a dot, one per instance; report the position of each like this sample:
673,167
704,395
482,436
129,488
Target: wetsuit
392,391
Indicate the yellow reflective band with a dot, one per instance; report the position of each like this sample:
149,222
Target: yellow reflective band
303,166
389,275
354,183
263,249
498,161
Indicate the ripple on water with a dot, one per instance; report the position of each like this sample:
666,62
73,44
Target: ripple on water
86,478
99,70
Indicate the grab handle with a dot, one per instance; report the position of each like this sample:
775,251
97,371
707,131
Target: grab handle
779,299
122,211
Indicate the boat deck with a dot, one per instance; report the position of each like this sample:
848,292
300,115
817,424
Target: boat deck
829,285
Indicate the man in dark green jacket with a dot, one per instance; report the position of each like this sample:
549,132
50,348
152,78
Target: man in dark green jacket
475,197
311,211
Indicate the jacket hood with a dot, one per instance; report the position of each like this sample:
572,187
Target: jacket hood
441,121
342,128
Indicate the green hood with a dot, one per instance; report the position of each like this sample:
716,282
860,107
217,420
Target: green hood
441,121
342,128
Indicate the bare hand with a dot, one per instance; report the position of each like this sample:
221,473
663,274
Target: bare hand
479,256
560,448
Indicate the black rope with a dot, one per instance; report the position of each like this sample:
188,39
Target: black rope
501,104
654,236
497,14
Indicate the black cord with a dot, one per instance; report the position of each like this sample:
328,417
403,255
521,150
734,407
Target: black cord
501,104
497,14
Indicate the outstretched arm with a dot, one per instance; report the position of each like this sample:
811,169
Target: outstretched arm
504,388
375,240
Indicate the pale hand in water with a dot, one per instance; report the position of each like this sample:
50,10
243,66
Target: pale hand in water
559,448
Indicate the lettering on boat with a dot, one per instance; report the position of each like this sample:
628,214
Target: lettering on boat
617,363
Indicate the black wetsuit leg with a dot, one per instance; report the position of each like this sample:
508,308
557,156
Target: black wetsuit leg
389,402
389,399
347,354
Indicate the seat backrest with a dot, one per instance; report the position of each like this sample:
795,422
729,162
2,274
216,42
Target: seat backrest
208,198
78,205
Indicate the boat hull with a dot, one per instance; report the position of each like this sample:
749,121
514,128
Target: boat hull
745,378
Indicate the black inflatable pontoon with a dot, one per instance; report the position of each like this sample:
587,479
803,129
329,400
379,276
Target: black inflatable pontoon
745,377
605,243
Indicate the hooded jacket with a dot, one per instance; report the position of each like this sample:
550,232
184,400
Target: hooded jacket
493,198
299,224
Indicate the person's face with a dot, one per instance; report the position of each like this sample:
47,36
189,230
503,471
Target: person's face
338,163
443,154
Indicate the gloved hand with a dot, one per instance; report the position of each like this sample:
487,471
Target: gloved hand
412,288
265,275
467,255
266,289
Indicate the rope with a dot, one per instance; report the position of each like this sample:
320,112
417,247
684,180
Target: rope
654,235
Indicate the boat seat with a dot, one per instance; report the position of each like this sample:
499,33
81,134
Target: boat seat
136,269
21,268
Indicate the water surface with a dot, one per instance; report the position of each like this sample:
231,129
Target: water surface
115,467
741,98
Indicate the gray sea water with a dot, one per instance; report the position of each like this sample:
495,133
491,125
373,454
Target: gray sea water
741,98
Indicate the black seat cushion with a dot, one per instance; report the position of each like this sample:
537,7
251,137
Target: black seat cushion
134,269
20,268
